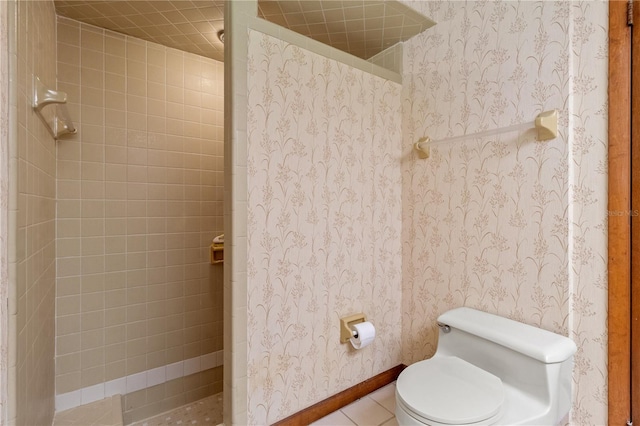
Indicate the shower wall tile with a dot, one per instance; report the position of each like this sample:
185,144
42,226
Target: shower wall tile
138,206
31,225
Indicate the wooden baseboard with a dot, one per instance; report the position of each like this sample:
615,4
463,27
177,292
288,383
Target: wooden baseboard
342,399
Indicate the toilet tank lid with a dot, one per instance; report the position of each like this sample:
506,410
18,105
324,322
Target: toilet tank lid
543,345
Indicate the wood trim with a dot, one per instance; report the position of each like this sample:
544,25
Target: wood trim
342,399
635,220
619,356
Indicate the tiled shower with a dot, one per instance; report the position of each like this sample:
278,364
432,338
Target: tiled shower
140,189
114,223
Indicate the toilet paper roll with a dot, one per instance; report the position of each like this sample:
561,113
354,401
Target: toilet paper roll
366,332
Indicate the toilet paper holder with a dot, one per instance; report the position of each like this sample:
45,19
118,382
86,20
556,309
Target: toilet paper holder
346,332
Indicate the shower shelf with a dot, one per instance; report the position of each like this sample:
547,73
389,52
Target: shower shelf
217,250
217,254
59,121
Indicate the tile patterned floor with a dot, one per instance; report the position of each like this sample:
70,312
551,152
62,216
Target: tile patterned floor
375,409
207,411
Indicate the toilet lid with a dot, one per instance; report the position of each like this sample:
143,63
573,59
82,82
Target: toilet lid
450,390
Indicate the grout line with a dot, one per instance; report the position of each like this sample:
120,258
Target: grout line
138,381
345,414
376,402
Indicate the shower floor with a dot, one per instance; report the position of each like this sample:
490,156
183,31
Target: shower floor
207,411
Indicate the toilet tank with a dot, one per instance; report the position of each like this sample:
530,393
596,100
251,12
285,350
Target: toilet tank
532,360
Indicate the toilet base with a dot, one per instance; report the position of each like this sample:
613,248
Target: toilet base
405,419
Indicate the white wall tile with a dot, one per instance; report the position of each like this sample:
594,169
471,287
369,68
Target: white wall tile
156,376
93,393
175,370
115,387
135,382
191,366
68,400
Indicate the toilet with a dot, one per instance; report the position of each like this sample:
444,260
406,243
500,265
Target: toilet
488,370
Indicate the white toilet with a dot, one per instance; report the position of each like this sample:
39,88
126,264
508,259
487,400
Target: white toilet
488,370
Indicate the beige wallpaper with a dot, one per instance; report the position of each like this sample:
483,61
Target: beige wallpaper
507,224
140,192
324,225
504,224
32,221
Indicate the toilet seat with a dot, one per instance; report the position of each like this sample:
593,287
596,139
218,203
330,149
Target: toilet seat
448,390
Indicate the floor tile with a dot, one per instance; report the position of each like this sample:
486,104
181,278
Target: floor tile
386,396
367,412
207,411
392,422
337,418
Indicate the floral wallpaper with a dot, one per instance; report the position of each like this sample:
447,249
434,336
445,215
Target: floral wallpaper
505,223
324,225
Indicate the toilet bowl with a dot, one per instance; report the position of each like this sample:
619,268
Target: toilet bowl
450,391
488,370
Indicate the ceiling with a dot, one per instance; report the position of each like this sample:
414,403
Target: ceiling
188,25
360,27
